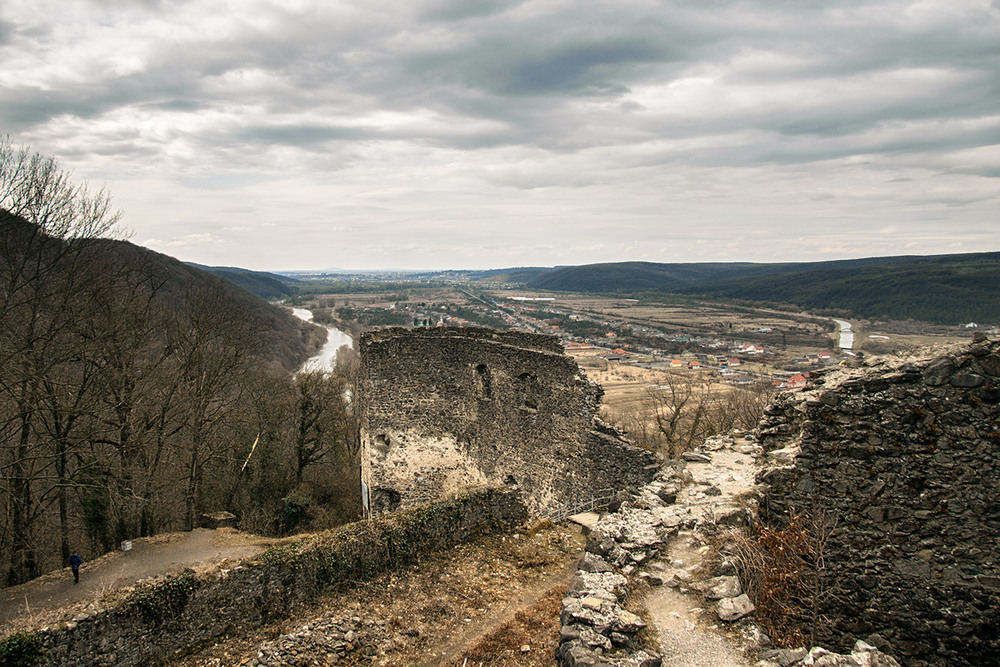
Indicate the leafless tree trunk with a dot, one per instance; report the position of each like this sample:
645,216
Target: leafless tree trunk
214,347
687,408
44,221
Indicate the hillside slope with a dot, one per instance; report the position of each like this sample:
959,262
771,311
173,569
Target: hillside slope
263,284
282,337
941,288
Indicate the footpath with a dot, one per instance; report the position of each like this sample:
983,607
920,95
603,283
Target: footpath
55,592
653,588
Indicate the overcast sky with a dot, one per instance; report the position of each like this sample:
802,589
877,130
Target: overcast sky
307,134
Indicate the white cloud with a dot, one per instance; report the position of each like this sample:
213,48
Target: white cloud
443,133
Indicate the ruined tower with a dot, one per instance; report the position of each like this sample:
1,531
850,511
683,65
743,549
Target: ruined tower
443,409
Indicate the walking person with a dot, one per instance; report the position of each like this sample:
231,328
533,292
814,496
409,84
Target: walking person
74,563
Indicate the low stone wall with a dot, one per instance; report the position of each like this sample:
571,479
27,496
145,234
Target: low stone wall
902,460
596,628
175,615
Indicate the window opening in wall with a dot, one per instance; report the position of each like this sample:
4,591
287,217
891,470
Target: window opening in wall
382,444
485,383
385,500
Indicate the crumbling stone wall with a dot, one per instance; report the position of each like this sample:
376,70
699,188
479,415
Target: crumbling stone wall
904,456
446,408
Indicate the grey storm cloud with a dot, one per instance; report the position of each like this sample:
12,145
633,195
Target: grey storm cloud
513,120
6,31
300,135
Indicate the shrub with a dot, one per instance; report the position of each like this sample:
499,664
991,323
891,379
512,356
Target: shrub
785,573
163,599
21,648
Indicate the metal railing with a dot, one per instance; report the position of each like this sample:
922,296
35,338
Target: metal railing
599,501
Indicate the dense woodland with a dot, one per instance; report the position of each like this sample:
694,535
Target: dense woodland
137,393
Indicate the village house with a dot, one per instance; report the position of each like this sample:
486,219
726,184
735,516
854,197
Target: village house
796,381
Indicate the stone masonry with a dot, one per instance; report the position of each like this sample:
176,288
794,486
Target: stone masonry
902,459
443,409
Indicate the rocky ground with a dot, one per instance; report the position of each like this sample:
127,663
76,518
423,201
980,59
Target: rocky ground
655,586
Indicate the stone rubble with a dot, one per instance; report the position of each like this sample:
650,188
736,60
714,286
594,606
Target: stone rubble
633,540
329,639
863,655
629,542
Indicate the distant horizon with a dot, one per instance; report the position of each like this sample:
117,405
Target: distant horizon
334,270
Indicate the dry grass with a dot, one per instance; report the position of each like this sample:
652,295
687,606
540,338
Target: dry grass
535,628
784,572
231,537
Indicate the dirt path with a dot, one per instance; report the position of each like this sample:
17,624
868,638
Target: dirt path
689,631
163,554
688,636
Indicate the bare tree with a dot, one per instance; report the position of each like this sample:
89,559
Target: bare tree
687,408
215,349
45,221
137,395
324,417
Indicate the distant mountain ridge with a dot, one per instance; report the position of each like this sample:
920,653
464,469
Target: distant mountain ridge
945,289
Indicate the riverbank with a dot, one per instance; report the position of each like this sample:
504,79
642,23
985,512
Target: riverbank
327,356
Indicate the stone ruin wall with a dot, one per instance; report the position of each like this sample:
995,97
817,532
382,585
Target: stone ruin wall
905,456
443,409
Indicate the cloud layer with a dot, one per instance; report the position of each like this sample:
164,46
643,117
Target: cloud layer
450,134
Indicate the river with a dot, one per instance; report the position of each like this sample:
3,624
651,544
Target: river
324,359
846,335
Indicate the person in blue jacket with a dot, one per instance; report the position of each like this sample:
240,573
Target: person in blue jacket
74,563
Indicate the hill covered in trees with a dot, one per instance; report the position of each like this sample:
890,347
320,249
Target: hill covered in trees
137,392
263,284
946,289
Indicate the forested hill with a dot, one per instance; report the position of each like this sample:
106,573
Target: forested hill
277,336
947,289
263,284
137,392
119,269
